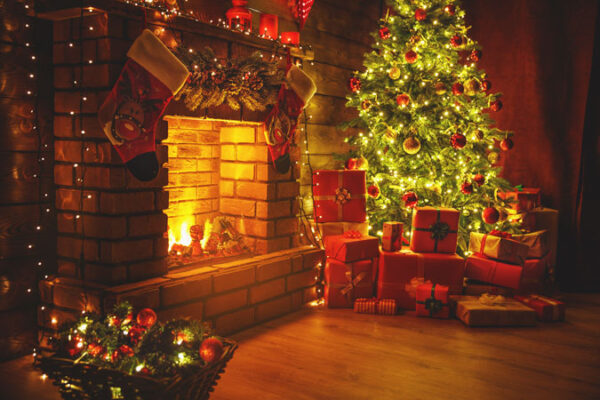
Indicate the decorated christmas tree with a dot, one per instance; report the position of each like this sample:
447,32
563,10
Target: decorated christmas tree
427,136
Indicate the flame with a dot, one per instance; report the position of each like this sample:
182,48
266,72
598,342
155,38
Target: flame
184,239
207,230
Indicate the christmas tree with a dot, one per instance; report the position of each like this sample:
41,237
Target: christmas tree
424,111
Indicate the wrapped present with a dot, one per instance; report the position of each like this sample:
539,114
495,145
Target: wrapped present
400,273
522,199
498,247
351,246
492,271
546,218
346,282
391,240
338,228
376,306
535,275
432,300
491,310
536,241
340,195
477,288
547,309
434,230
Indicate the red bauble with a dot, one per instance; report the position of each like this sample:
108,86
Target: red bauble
74,346
506,144
490,215
486,85
420,14
410,199
354,84
466,188
479,179
352,163
95,349
365,105
373,191
456,41
450,9
458,140
496,105
403,99
458,89
125,350
476,55
384,33
135,333
146,317
211,350
411,56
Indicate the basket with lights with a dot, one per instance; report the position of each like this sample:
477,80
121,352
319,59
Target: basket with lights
119,356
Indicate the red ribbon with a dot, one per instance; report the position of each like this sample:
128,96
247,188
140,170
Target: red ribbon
501,234
352,234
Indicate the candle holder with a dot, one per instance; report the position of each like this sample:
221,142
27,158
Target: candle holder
239,17
290,38
268,26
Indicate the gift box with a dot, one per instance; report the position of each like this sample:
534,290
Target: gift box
492,271
391,240
338,228
546,309
498,248
535,276
340,195
491,310
546,219
537,243
522,199
400,273
432,301
376,306
351,246
477,288
434,230
346,282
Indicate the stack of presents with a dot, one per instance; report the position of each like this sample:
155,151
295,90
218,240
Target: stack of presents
500,283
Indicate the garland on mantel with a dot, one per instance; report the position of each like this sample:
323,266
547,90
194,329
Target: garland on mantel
253,81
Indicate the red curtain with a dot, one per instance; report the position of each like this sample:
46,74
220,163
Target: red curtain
539,54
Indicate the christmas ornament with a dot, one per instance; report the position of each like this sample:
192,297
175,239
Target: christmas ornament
354,84
471,87
496,105
389,132
300,10
402,100
146,317
74,346
493,157
180,337
440,88
95,349
152,75
411,145
384,33
211,350
352,163
458,89
373,191
362,163
366,104
466,188
490,215
479,179
282,121
458,140
135,333
420,14
506,144
125,350
450,9
410,56
475,55
410,199
479,134
456,41
486,85
394,73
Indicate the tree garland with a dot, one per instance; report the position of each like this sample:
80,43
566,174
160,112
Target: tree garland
252,81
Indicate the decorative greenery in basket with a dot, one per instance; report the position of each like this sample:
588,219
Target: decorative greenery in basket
252,81
119,357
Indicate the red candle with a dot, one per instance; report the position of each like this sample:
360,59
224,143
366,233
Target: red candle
268,26
292,38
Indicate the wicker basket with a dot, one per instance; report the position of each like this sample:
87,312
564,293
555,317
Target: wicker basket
84,381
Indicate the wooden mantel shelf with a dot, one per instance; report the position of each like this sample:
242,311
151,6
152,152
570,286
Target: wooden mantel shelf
68,9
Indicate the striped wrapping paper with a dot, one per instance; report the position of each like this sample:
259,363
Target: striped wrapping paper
375,306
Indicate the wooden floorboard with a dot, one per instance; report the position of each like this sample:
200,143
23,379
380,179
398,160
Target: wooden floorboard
337,354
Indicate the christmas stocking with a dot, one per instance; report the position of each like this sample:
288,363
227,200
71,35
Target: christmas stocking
294,95
149,80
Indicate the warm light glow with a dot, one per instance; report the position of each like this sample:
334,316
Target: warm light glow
184,238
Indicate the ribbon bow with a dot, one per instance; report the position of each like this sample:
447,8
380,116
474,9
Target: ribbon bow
342,195
505,235
352,282
433,305
439,230
519,188
352,234
489,299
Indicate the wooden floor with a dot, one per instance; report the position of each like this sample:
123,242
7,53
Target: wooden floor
337,354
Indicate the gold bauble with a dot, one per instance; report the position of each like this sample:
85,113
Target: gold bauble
411,145
362,163
479,134
394,73
471,87
493,157
440,88
389,132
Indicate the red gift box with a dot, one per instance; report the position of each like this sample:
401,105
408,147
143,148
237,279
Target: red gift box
340,195
492,271
346,282
547,309
434,230
432,301
525,199
391,239
401,272
535,274
376,306
351,246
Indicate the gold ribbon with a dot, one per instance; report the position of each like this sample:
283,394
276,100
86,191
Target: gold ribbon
340,185
489,299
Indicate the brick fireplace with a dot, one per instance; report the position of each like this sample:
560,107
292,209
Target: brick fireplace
113,231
